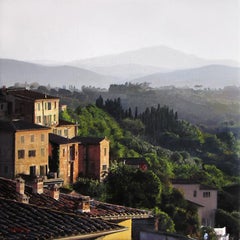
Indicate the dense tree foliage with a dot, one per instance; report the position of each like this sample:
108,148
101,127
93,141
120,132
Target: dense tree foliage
90,187
133,187
183,213
176,150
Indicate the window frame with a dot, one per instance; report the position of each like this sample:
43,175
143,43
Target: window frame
21,154
32,153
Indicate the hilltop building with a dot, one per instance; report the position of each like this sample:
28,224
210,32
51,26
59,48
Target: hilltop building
63,158
23,148
62,154
93,157
202,195
36,108
140,163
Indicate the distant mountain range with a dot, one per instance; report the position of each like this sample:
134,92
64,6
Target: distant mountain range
211,76
159,66
158,56
12,71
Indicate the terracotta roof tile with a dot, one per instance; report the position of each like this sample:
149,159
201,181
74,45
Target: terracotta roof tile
26,221
53,138
29,94
19,125
69,203
89,140
65,123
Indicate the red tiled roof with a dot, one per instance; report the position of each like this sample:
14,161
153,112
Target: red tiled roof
191,181
89,140
69,203
27,221
65,123
19,125
53,138
28,94
103,210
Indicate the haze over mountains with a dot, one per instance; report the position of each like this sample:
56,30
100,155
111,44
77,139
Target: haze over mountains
159,66
12,71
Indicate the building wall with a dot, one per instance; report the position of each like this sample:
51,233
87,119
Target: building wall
125,235
82,164
94,159
205,197
6,154
22,109
67,131
31,152
104,157
46,112
68,162
145,235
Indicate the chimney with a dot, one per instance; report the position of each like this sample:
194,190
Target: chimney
84,205
23,198
20,185
20,189
37,186
54,191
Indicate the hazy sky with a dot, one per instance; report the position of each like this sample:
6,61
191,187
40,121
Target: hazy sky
65,30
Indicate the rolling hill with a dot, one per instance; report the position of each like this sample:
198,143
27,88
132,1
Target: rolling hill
12,71
212,76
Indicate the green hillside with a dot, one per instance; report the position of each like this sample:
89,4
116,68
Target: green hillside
186,152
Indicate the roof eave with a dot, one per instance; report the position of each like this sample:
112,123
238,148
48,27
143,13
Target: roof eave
93,235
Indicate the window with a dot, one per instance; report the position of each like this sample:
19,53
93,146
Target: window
39,106
33,170
22,139
55,131
45,105
66,132
69,170
49,105
105,151
54,117
32,138
45,119
49,118
194,193
21,154
104,167
64,152
72,152
32,153
43,170
42,137
60,132
42,152
206,194
39,119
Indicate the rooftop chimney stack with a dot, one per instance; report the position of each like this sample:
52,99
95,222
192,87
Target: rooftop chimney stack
23,198
84,205
20,185
20,189
54,192
38,185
